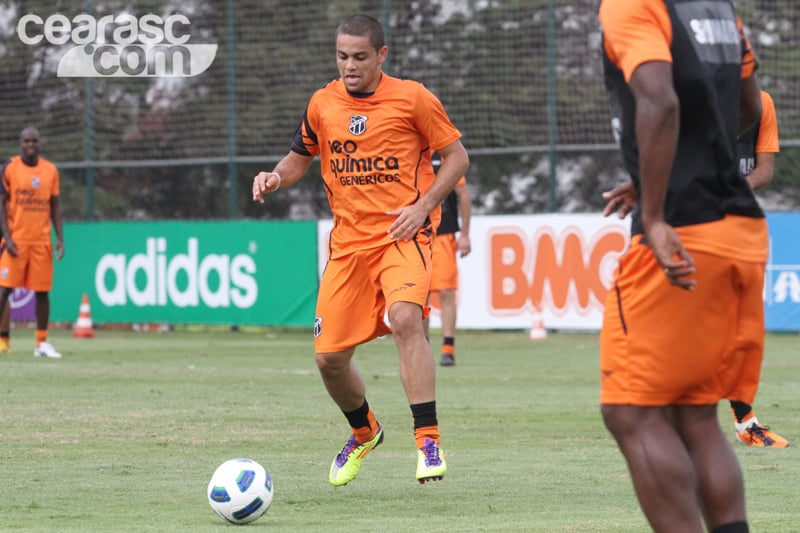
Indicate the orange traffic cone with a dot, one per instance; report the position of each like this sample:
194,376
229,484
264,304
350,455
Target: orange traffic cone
83,327
538,332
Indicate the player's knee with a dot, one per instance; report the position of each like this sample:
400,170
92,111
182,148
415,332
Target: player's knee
331,364
618,419
406,320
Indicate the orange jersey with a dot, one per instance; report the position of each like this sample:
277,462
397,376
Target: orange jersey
767,140
375,152
28,191
639,31
704,44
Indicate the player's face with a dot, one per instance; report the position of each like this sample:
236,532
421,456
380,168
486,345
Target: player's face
29,142
359,63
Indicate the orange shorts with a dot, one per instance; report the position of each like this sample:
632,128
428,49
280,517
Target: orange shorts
358,288
32,268
663,345
445,267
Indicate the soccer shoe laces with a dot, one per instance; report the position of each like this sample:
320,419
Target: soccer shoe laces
431,451
756,432
349,446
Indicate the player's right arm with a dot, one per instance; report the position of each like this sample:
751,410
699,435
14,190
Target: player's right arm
303,147
288,171
637,37
9,243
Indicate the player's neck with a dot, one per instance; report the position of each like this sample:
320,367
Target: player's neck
31,161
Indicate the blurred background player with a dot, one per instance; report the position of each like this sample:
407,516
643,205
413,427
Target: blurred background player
29,211
757,148
444,276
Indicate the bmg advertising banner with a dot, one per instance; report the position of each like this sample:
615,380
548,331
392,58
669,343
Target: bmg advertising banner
198,272
560,267
557,265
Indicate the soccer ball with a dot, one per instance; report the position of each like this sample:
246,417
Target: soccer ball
240,491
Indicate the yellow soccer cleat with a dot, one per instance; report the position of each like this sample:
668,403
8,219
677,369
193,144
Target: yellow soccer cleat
346,465
430,462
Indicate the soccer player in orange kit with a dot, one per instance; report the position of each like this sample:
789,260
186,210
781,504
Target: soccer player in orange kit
375,135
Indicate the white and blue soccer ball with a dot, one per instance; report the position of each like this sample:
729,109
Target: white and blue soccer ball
240,491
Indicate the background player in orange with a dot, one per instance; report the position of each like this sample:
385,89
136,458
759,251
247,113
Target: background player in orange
683,326
444,277
29,211
375,135
757,148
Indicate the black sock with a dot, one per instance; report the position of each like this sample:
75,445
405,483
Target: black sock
358,418
449,341
733,527
740,409
424,414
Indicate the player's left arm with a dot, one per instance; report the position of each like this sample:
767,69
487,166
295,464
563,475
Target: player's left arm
465,210
410,219
766,146
762,174
750,91
55,217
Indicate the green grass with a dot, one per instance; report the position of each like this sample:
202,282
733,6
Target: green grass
124,432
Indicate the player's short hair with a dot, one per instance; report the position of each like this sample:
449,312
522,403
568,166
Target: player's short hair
361,25
29,131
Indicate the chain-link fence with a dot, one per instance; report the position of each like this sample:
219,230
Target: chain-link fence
522,79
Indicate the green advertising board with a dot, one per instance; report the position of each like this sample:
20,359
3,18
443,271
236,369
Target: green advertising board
200,272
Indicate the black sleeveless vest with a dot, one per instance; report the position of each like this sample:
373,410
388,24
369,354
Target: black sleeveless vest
705,184
746,147
449,221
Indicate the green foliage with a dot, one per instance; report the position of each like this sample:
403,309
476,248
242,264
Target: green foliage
506,84
125,431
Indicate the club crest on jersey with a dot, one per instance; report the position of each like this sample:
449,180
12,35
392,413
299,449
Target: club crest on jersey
36,182
358,124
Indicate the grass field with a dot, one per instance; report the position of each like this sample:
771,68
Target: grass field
124,432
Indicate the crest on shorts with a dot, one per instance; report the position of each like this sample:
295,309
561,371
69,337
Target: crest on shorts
358,124
36,182
317,326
